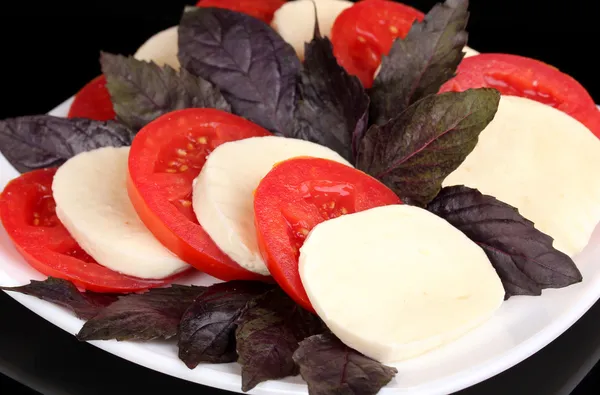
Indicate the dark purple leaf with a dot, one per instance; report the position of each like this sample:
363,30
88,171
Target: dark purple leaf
268,334
85,305
143,91
41,141
523,257
246,59
333,106
329,367
422,62
142,317
414,152
207,328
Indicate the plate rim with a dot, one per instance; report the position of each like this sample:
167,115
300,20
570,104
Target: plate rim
203,375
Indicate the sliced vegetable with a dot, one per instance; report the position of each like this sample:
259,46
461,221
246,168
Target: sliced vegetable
297,195
363,33
520,76
247,60
142,91
259,9
40,141
161,49
27,211
144,317
164,159
93,102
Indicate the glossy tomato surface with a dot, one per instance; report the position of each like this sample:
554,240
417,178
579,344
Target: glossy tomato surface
27,211
93,102
260,9
365,32
165,158
520,76
297,195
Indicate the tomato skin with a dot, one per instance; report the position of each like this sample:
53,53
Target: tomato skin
164,159
294,197
520,76
365,32
27,213
93,102
260,9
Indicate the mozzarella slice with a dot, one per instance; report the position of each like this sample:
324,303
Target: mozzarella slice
543,162
396,281
223,191
91,201
161,49
286,20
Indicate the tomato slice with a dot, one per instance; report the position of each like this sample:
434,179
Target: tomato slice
365,32
520,76
165,158
93,102
27,211
297,195
260,9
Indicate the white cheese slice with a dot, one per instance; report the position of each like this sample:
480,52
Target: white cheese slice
396,281
161,49
223,193
92,202
543,162
295,20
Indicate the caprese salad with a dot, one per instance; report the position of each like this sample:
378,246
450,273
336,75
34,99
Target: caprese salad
360,189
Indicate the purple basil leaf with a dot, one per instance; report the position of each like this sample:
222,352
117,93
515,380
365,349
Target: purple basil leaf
268,334
207,328
143,91
85,305
142,317
523,257
414,152
333,107
329,367
41,141
246,59
422,62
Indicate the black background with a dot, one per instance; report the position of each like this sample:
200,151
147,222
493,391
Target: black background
50,49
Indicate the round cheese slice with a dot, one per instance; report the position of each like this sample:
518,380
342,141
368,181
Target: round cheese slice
295,20
161,49
394,282
223,192
91,201
543,162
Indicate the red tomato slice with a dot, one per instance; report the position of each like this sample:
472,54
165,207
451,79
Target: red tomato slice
260,9
164,159
365,32
27,211
93,102
297,195
519,76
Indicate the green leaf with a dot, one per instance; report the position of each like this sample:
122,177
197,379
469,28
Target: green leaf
421,63
85,305
329,367
523,256
268,333
414,152
143,91
142,317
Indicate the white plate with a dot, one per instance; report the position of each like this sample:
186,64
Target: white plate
521,327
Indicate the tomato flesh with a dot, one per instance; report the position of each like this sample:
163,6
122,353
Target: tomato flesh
260,9
165,158
27,211
525,77
93,102
365,32
296,196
